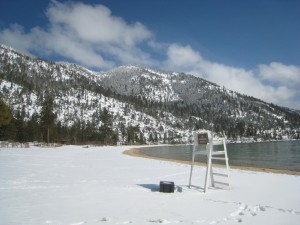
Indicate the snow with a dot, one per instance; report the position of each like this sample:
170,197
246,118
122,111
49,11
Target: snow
167,91
72,185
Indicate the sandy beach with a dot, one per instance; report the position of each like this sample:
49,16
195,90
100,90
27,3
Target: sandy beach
72,185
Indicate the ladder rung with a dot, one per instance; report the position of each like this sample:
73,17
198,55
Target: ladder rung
218,153
218,158
223,183
221,174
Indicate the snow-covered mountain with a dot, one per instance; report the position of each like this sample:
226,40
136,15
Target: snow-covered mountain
158,106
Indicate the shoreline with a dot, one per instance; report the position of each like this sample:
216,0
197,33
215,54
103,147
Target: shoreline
136,152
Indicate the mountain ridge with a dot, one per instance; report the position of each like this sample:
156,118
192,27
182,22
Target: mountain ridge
161,106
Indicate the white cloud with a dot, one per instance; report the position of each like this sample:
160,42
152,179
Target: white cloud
257,84
15,36
278,72
95,24
182,57
89,35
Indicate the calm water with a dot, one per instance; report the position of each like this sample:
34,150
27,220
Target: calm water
275,155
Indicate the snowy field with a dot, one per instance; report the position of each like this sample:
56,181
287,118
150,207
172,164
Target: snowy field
99,185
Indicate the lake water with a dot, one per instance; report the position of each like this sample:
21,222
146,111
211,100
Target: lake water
275,155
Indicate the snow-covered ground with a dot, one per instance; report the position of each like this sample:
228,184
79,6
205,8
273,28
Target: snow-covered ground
73,185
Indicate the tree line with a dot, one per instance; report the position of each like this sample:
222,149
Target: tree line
202,104
44,127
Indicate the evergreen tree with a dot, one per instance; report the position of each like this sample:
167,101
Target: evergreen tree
20,127
106,126
7,129
33,128
122,131
5,114
132,134
74,133
48,118
141,139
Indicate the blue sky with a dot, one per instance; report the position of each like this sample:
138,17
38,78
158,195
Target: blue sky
251,47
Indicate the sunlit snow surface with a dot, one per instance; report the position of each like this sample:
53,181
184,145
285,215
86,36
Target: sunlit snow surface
73,185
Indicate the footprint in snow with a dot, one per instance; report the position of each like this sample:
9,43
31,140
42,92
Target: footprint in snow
104,219
262,208
239,220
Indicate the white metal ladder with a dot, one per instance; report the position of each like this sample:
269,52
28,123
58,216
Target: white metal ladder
218,156
211,157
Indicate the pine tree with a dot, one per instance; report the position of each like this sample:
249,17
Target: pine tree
20,127
106,127
5,114
7,128
48,118
33,128
122,130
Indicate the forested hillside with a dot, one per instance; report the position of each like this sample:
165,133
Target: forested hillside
51,101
